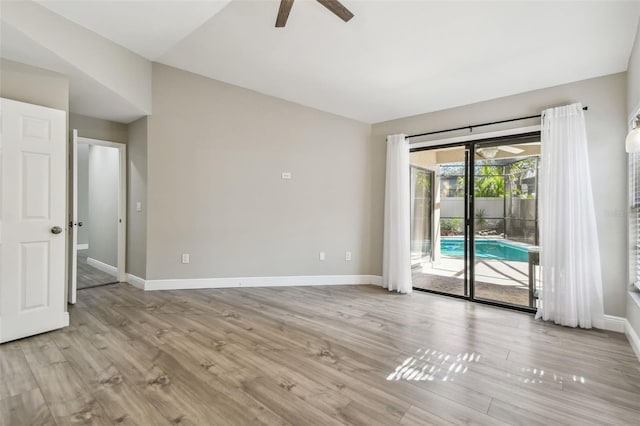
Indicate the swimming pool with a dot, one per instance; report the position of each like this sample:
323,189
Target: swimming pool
486,249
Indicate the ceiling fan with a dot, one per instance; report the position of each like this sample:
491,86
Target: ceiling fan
333,5
490,152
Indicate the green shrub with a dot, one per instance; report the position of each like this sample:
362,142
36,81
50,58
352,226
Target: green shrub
451,226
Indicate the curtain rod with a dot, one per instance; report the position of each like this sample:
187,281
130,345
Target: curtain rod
471,127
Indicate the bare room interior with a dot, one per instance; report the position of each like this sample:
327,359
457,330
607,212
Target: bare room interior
318,212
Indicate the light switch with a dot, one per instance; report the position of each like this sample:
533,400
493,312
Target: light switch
138,206
322,256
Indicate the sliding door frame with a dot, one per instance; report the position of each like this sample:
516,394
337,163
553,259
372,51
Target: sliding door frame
469,143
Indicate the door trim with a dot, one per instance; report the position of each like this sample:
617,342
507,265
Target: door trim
122,207
72,286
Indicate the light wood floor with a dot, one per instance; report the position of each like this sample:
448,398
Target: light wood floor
312,356
88,276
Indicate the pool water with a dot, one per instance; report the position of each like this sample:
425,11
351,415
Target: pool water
486,249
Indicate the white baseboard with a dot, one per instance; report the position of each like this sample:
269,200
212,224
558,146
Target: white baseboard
82,247
136,281
286,281
112,270
613,323
633,338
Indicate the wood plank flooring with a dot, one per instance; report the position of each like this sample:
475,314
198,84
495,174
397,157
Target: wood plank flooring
88,276
312,356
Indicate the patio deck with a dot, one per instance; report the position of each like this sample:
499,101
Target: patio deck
499,280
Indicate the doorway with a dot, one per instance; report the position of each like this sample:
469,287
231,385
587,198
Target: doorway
484,220
99,206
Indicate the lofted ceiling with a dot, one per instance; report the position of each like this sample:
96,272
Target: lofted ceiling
393,59
148,28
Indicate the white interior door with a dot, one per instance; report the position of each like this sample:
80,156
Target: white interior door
73,225
32,226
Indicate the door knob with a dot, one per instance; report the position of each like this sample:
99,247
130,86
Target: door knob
80,223
56,230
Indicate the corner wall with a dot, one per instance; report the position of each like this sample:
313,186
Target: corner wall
606,130
216,153
137,193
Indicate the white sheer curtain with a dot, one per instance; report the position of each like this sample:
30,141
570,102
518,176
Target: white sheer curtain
396,263
569,253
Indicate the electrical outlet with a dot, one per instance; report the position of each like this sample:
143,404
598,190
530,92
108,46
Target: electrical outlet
138,206
347,256
185,258
322,256
286,175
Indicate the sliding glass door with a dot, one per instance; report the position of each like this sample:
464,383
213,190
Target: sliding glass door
422,215
443,270
484,221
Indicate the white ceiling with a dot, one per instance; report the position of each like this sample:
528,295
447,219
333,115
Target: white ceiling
87,96
148,28
393,59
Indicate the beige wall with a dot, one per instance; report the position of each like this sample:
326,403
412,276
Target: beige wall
215,155
33,85
96,128
606,98
633,76
137,192
104,185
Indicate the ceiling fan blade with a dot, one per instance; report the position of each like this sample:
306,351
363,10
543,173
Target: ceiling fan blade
511,149
283,13
337,8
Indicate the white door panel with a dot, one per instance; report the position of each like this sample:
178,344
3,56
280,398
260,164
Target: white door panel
32,285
